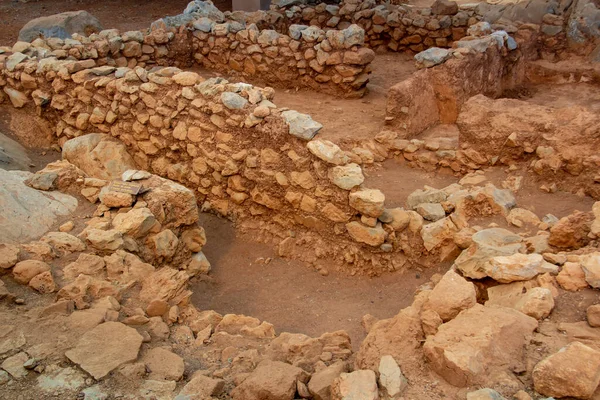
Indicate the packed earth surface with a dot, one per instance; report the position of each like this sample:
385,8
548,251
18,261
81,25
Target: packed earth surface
339,200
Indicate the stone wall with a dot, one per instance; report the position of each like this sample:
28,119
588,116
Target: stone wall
394,27
337,64
245,158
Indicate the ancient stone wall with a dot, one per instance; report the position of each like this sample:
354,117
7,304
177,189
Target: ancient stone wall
337,64
395,27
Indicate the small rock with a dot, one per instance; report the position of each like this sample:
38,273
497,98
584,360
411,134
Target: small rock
391,379
360,384
593,315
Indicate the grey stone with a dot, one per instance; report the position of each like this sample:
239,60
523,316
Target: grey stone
301,125
485,394
295,31
233,101
13,60
203,24
62,379
428,195
61,25
432,56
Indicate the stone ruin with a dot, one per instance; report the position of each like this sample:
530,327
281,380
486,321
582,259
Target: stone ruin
116,314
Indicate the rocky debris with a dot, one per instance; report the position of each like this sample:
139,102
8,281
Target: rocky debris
477,345
574,371
360,384
450,296
320,382
444,7
271,379
56,379
105,347
28,213
391,380
61,26
63,243
473,262
98,155
301,125
163,365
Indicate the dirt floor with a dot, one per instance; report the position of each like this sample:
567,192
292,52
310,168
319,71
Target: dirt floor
125,15
290,295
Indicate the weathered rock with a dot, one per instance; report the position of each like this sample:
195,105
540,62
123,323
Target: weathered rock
365,234
391,379
98,155
136,223
478,343
203,386
431,211
537,302
114,199
243,325
571,231
104,240
593,315
172,204
346,177
571,277
18,99
451,295
444,7
487,243
63,243
28,213
432,56
61,25
43,283
301,125
574,371
163,364
9,255
14,365
361,384
369,202
327,151
428,195
590,264
320,382
270,380
517,267
106,347
24,271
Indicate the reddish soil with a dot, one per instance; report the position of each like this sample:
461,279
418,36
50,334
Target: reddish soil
125,15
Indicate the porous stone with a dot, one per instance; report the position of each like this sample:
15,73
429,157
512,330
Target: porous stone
369,202
346,177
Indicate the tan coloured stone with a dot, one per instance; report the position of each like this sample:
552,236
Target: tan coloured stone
368,202
574,371
24,271
451,295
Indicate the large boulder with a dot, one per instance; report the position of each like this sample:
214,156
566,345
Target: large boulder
574,371
61,25
477,346
98,155
27,213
